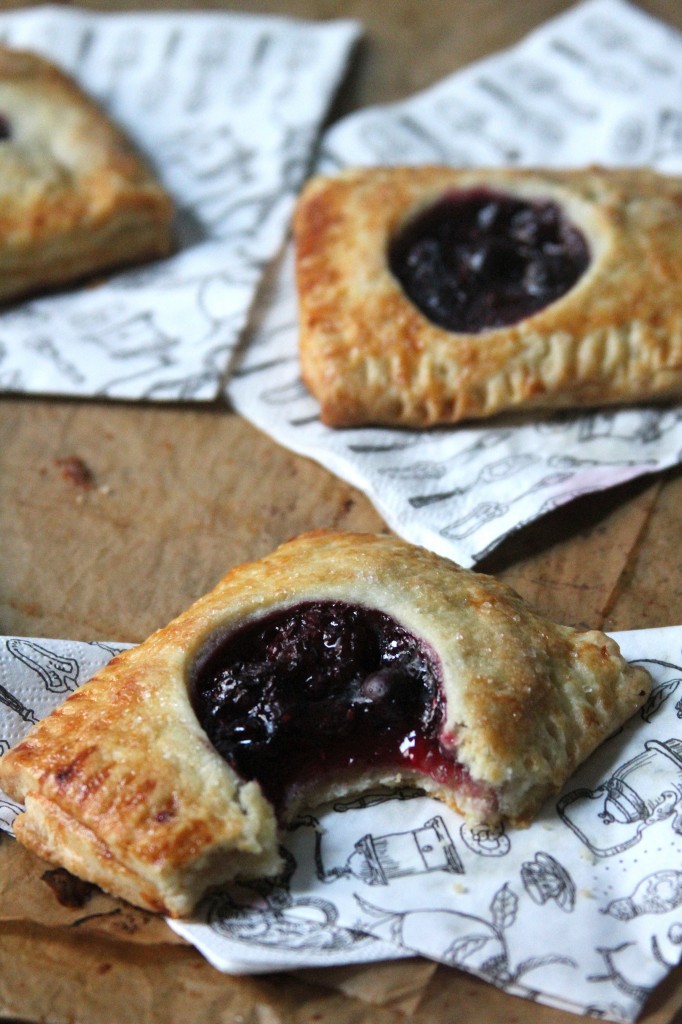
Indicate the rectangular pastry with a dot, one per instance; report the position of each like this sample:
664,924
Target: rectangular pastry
429,295
75,197
310,674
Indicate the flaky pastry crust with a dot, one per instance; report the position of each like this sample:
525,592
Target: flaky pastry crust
371,357
75,197
122,787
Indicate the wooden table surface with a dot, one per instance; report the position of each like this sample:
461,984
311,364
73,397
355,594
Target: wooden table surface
180,493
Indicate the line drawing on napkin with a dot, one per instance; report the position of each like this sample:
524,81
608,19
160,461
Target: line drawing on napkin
405,139
486,840
650,426
482,948
674,937
14,704
573,462
545,879
657,893
609,76
491,473
538,80
662,691
123,60
58,673
301,924
214,166
547,128
473,123
121,334
618,977
264,912
380,859
612,38
486,511
160,82
8,812
668,134
642,792
214,51
111,649
46,347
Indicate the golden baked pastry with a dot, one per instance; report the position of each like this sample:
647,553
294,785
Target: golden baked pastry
75,197
337,663
428,295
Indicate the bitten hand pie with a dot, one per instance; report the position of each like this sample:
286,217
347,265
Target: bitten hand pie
428,295
339,662
75,197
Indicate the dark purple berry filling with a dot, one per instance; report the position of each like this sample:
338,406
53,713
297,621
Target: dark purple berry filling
477,260
318,689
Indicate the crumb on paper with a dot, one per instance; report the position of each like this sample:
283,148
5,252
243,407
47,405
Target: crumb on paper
76,471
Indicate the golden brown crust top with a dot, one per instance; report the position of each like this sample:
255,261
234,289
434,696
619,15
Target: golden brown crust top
123,787
370,356
75,195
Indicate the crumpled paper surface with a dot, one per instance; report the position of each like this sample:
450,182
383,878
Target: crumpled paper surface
227,108
599,84
582,911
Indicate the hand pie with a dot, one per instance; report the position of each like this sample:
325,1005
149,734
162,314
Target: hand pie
428,295
75,198
337,663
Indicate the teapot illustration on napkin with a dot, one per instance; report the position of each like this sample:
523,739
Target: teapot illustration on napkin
641,792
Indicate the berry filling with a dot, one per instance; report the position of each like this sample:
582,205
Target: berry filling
477,260
318,690
5,128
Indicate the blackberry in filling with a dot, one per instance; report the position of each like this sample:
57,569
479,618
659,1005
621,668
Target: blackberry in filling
319,689
479,259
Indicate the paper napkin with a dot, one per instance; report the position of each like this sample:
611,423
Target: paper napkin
227,107
599,84
582,911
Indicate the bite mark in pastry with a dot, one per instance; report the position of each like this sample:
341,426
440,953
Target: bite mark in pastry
75,197
337,663
428,295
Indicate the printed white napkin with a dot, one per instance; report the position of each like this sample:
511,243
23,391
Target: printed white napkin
582,911
227,107
599,84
